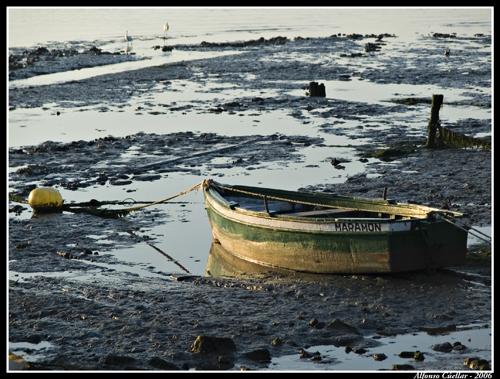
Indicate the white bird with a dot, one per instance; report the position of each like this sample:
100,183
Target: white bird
165,30
127,37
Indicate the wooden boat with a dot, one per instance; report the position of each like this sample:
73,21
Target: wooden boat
327,233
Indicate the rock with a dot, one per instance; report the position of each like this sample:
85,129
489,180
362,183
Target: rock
379,356
313,322
277,341
399,367
259,355
406,354
476,363
445,347
348,349
162,364
467,361
418,356
316,356
360,350
457,346
213,345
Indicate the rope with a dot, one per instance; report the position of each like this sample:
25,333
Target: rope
116,213
469,229
91,206
132,209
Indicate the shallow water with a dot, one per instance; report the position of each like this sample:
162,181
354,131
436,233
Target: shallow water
477,339
192,25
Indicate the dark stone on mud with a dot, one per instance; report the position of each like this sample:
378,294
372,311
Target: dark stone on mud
348,349
379,356
477,364
399,367
277,341
360,350
259,355
444,35
418,356
457,346
213,345
162,364
351,55
445,347
17,209
65,254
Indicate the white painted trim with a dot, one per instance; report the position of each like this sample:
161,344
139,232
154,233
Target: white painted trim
339,226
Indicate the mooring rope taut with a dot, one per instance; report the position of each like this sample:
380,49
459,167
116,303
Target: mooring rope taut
193,188
469,229
49,200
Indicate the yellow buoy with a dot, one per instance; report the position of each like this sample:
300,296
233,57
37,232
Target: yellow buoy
45,199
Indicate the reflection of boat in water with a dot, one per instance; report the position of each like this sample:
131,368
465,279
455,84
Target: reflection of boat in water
325,233
220,263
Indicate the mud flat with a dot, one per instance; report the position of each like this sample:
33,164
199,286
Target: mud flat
73,305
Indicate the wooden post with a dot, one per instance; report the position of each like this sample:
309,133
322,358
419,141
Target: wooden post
317,90
385,193
437,101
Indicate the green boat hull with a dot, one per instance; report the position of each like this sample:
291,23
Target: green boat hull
336,247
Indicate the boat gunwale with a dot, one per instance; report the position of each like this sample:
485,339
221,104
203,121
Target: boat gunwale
309,221
212,191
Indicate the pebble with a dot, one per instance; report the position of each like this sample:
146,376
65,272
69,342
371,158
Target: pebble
379,356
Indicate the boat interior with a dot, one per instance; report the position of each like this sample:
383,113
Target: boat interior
282,203
293,209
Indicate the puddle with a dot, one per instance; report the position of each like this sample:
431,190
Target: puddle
477,342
